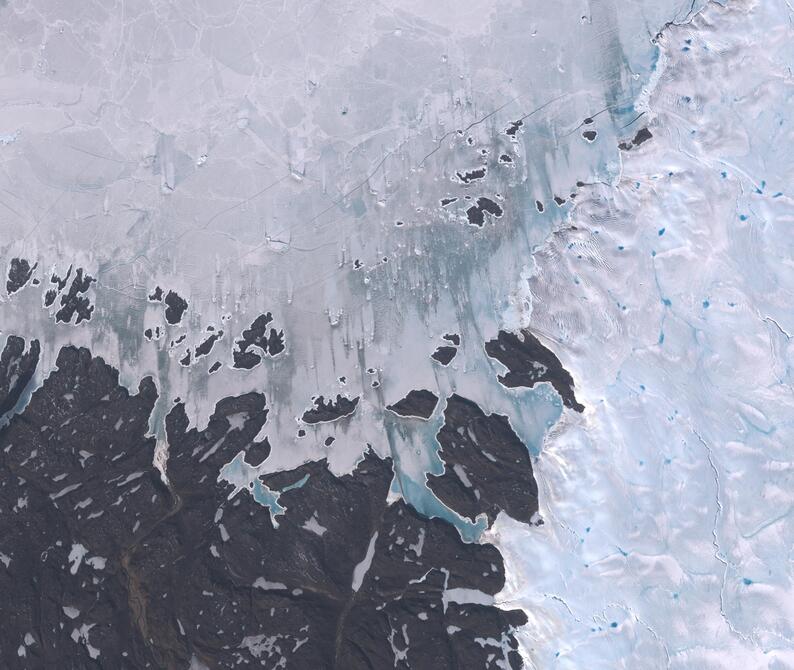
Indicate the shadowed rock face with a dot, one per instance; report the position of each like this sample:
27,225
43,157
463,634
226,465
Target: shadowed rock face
487,469
418,403
104,566
529,363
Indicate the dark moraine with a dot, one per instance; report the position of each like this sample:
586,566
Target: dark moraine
138,574
444,354
330,410
506,159
529,363
17,367
419,404
487,469
74,302
256,336
175,306
19,273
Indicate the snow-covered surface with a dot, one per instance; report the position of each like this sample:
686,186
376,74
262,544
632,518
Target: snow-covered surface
668,505
247,155
291,158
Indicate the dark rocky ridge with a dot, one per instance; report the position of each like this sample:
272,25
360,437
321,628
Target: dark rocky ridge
60,283
78,486
476,213
17,368
418,403
513,128
642,135
19,273
486,467
74,302
175,306
104,566
206,346
529,363
256,336
469,176
444,354
325,411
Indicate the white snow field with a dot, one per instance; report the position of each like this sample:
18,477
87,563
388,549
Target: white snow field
669,531
317,160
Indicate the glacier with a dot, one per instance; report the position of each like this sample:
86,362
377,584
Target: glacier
669,542
312,202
